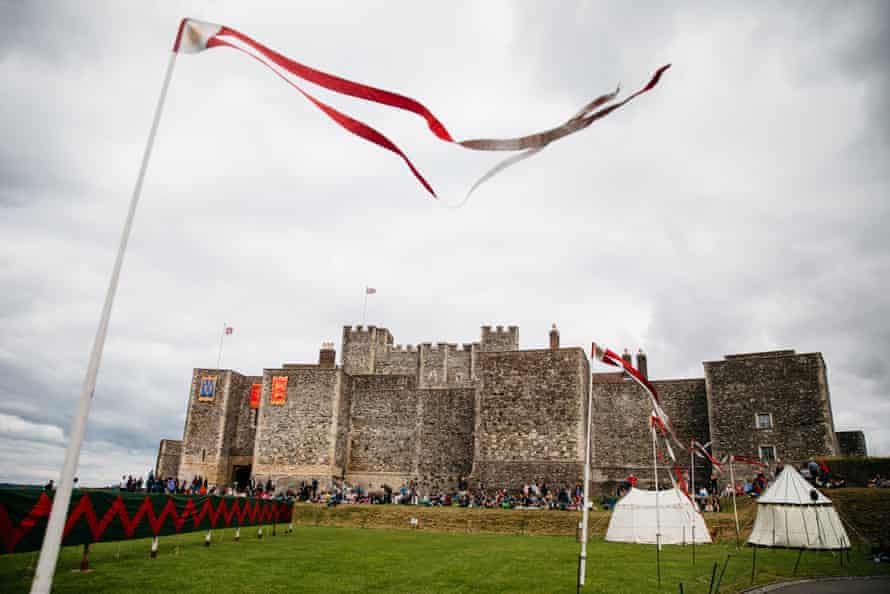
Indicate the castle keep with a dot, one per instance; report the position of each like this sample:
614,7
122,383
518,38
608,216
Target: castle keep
488,411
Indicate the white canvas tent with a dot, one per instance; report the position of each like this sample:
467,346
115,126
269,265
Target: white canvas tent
634,519
792,513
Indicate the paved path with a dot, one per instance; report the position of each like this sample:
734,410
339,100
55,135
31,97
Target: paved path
844,585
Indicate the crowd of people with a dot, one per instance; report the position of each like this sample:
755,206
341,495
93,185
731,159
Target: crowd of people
879,483
531,496
198,485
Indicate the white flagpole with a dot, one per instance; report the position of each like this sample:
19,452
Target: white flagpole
585,514
52,540
221,338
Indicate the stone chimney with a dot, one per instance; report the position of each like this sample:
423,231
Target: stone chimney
327,356
627,358
642,364
554,338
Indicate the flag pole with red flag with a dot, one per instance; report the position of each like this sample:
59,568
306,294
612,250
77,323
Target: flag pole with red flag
225,332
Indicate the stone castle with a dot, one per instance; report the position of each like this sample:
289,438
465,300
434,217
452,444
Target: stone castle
488,411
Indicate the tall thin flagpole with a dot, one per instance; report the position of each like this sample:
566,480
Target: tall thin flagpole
585,514
52,540
219,354
365,306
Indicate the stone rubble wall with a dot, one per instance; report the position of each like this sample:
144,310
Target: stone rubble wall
167,464
793,388
852,444
530,417
295,441
622,438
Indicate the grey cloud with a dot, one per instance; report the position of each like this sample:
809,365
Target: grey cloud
739,207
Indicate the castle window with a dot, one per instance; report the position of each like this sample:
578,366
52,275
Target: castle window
768,453
763,421
255,413
203,455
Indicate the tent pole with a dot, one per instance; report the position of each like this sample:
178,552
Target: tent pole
585,513
735,509
657,509
694,500
753,562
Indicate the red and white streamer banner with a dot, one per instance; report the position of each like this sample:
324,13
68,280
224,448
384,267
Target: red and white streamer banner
659,420
701,451
609,357
748,461
195,36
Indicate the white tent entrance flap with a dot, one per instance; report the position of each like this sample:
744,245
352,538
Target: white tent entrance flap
634,519
792,513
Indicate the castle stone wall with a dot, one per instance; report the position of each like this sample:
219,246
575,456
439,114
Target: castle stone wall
622,438
295,441
400,433
444,450
384,423
459,364
167,464
852,444
792,388
240,427
398,361
530,415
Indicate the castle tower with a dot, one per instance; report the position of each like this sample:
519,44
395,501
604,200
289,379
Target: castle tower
554,337
218,426
500,340
362,347
771,405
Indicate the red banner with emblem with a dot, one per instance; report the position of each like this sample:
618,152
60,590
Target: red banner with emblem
279,390
255,391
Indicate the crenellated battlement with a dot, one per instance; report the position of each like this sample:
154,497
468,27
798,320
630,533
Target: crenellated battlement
500,339
402,348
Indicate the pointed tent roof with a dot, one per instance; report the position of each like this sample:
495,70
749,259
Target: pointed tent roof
791,513
792,489
636,520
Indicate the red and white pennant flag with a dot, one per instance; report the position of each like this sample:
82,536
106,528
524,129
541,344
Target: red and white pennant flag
196,36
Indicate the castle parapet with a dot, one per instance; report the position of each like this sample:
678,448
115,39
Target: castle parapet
500,339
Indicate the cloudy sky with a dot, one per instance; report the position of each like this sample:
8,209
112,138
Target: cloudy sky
740,206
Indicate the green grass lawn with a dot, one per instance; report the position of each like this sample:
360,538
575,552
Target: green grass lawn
324,559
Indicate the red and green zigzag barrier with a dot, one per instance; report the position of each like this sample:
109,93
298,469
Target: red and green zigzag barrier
96,516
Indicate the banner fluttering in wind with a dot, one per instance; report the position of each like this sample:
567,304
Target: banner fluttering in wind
659,421
195,36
